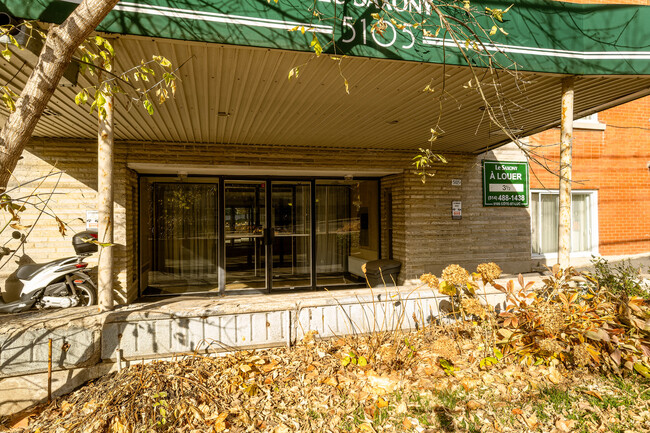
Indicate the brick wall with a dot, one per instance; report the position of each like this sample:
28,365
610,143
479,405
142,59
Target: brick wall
613,161
424,236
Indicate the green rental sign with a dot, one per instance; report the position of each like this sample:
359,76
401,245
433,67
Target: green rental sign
505,183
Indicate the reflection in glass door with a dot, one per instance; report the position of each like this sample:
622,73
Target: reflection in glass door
230,235
291,223
245,230
183,238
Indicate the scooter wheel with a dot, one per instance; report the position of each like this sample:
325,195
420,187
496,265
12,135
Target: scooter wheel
87,295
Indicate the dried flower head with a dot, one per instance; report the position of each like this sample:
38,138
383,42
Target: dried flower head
456,275
550,345
473,306
551,317
581,356
430,280
489,271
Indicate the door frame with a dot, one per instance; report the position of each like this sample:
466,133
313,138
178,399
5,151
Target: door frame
221,246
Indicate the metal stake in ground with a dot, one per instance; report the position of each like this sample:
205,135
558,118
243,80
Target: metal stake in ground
49,370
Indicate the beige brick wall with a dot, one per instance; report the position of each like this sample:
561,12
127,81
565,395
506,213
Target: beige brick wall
425,238
434,240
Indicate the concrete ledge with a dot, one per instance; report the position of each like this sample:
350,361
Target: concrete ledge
86,343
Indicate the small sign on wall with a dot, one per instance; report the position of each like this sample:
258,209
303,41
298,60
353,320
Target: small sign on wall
456,210
92,220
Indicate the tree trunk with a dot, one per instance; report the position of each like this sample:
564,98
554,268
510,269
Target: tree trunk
61,43
105,193
566,143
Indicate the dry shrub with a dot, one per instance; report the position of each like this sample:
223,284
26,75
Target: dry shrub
576,325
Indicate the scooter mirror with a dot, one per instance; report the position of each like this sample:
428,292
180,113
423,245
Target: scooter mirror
16,235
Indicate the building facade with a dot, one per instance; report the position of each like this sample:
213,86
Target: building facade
611,184
247,181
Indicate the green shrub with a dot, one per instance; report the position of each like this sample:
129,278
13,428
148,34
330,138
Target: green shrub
622,278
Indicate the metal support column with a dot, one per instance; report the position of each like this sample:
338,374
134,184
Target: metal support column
268,241
312,233
566,143
221,257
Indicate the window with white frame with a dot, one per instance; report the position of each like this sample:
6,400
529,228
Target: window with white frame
591,118
544,208
589,122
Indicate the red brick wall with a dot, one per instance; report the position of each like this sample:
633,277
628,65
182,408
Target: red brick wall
614,162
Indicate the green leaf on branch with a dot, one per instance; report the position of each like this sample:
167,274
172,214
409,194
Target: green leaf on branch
318,49
109,48
162,61
81,98
14,41
497,14
148,106
6,53
8,98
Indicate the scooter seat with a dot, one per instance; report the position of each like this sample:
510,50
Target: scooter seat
27,271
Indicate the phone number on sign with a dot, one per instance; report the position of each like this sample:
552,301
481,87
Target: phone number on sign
503,197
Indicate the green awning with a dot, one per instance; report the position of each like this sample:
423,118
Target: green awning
543,35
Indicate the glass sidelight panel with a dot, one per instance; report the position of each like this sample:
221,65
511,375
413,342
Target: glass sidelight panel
291,222
182,252
245,228
347,235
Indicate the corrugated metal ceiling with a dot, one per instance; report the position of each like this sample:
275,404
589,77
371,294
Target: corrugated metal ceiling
239,95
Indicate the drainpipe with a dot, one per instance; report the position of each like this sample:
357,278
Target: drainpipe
566,143
105,195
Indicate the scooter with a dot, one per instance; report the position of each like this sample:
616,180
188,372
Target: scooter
61,283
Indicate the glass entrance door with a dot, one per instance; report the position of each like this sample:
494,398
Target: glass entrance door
246,234
267,247
291,240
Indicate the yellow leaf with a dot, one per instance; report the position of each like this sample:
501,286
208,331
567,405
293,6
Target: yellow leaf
381,403
446,289
220,423
19,226
594,394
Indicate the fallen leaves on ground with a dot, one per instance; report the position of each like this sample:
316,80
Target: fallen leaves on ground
404,386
